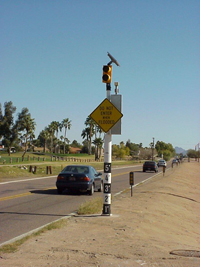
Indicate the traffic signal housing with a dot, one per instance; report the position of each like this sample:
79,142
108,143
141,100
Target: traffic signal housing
107,74
131,178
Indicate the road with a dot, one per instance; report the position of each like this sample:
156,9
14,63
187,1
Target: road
29,204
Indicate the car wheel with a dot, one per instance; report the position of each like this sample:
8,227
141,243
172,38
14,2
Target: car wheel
91,192
59,190
101,187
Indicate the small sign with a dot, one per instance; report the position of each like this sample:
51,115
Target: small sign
107,167
106,115
107,188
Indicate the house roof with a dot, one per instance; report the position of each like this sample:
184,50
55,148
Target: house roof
74,149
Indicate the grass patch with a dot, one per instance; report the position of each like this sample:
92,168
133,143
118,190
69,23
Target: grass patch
10,248
91,207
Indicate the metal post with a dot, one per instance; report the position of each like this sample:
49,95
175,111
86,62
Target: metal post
107,166
153,149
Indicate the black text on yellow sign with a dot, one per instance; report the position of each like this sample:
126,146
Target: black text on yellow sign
106,115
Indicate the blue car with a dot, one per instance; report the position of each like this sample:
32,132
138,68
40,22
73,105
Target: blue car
81,178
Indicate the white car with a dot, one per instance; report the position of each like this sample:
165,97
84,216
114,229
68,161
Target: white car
162,163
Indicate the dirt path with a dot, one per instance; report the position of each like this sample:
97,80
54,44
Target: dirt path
149,229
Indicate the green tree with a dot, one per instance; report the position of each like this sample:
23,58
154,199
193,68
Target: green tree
134,148
75,144
43,137
26,126
85,135
52,128
66,124
191,153
89,129
51,133
98,142
8,129
165,150
120,151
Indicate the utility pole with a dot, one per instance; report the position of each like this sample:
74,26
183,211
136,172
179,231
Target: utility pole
153,149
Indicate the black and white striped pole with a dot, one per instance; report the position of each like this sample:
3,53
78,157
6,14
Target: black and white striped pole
107,72
107,166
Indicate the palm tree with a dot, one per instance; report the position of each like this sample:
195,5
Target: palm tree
99,130
98,142
86,134
56,127
90,123
51,131
45,135
66,123
8,129
52,128
27,125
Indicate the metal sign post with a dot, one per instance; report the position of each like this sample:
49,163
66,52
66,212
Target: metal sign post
107,166
106,115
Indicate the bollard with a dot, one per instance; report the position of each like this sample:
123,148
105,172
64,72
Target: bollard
50,170
164,170
35,169
47,170
131,181
30,168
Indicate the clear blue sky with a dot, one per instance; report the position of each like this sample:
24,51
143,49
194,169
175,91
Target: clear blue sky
52,53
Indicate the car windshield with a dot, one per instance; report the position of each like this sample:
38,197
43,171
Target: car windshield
76,169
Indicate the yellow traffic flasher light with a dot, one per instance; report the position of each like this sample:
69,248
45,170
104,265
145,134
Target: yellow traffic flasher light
107,74
131,178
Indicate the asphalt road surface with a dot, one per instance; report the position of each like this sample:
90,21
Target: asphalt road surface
29,204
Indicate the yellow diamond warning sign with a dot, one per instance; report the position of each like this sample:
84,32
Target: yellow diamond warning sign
106,115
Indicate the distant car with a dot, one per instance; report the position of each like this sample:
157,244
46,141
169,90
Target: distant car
174,161
150,166
162,163
81,178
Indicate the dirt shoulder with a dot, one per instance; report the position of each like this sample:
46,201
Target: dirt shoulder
160,220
